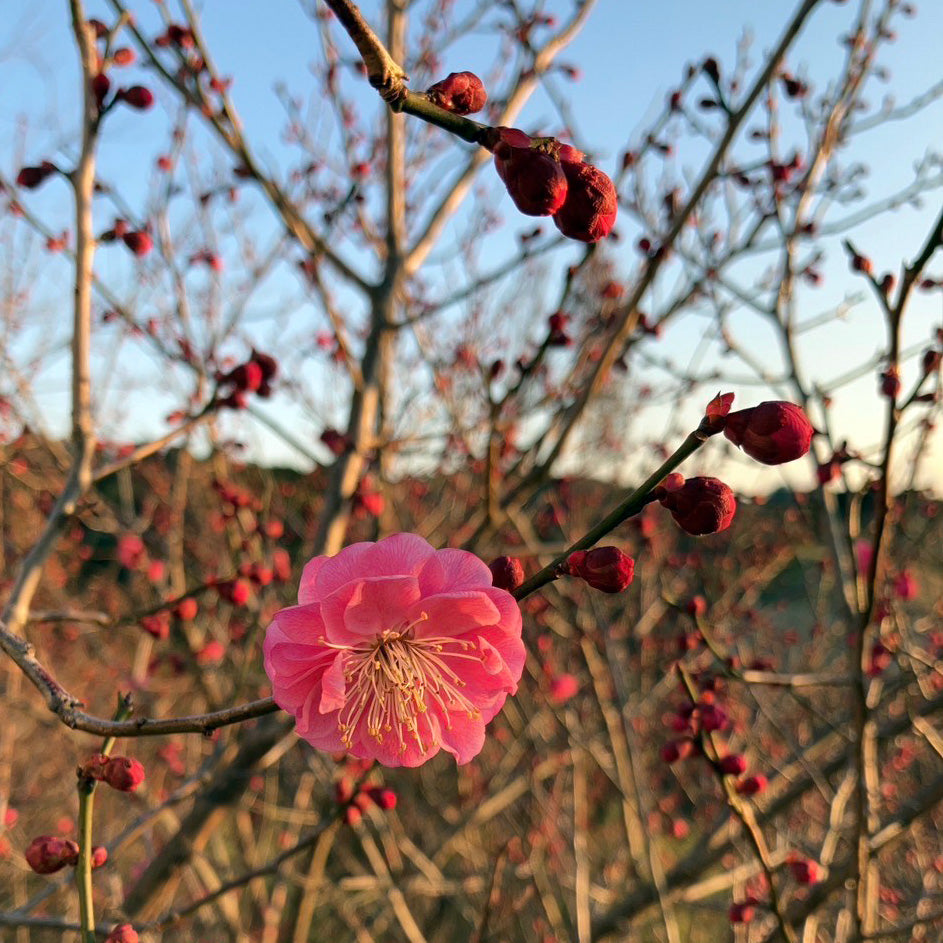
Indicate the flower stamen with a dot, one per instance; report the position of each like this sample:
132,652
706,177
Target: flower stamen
390,678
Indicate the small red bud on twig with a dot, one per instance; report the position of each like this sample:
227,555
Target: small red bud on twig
123,773
123,933
772,432
48,854
700,505
751,785
607,569
507,573
462,93
137,96
591,205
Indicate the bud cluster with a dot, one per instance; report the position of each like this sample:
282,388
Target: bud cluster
253,376
355,803
120,772
49,853
507,573
546,178
699,505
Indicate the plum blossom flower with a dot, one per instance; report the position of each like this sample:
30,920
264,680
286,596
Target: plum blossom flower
395,651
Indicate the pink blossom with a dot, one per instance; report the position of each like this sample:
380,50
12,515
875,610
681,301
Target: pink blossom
395,651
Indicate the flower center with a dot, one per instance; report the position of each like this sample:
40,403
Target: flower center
392,679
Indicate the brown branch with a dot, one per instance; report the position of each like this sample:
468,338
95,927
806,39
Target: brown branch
65,705
743,812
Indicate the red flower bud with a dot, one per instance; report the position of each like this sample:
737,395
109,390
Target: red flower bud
247,377
384,798
186,609
678,750
157,625
881,659
32,177
99,856
558,336
563,687
337,442
734,764
890,383
267,364
697,606
460,92
701,506
100,86
138,241
605,568
238,591
805,872
589,211
48,853
713,718
281,565
123,56
772,433
101,31
212,653
123,933
743,912
137,96
534,180
506,573
905,586
711,69
751,785
123,773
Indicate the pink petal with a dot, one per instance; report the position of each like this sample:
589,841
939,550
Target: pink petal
320,730
491,658
453,613
368,607
334,572
302,624
451,570
307,592
397,555
333,687
463,736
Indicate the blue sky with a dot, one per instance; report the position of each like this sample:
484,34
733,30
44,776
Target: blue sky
631,55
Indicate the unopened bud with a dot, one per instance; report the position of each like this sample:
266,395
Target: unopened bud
507,573
461,93
607,569
123,933
123,773
48,854
591,205
772,432
701,506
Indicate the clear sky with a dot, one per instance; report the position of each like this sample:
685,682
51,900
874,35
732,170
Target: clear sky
630,55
